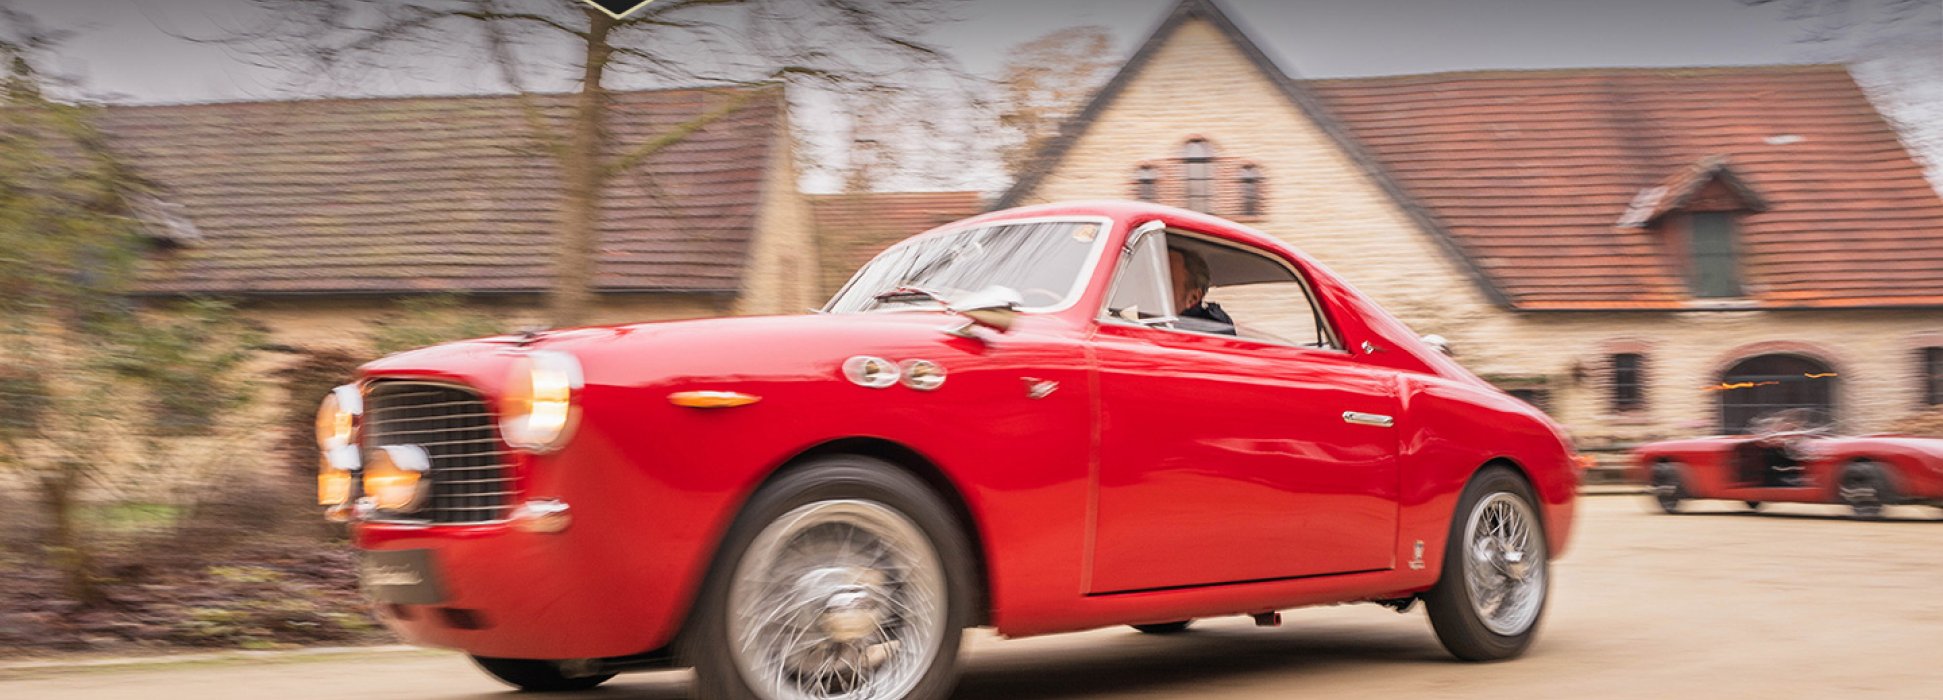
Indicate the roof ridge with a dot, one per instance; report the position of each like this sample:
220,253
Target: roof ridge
1589,71
459,97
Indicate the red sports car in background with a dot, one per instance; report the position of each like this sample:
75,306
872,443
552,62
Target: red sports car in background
1788,461
1039,420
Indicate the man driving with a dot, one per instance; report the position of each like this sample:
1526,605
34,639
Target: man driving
1191,280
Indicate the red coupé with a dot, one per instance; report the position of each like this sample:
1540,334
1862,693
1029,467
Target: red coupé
1039,420
1795,464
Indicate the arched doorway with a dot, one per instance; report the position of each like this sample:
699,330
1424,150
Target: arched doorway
1768,384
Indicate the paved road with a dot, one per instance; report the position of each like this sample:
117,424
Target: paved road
1723,604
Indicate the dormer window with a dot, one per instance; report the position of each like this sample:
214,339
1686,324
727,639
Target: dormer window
1709,197
1713,261
1197,169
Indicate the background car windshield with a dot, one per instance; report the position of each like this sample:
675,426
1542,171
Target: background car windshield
1042,261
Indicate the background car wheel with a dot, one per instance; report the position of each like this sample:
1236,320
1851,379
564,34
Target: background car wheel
1668,486
1753,505
1165,627
1865,488
844,578
536,676
1487,603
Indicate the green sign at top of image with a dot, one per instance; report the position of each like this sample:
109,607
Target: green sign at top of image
619,8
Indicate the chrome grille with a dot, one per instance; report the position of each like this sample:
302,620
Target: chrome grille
472,481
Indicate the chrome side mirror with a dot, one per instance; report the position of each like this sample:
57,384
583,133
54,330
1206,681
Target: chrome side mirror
1441,343
995,307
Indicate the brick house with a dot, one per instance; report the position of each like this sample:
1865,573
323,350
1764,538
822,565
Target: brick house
1643,252
852,228
317,215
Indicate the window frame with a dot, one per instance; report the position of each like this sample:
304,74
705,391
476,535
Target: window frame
1733,286
1930,363
1324,323
1619,383
1146,184
1197,171
1252,202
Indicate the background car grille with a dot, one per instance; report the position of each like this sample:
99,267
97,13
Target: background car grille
471,479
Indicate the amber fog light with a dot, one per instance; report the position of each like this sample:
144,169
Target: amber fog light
393,478
333,485
537,405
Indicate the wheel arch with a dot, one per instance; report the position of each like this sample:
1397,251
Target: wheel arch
926,470
1886,469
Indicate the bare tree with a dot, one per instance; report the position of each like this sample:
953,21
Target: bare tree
1884,21
1895,49
1046,82
848,49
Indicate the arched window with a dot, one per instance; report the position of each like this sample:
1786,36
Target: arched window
1251,191
1197,163
1761,387
1146,183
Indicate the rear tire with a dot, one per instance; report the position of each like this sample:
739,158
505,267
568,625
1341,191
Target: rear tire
859,563
1668,485
1866,489
536,676
1487,603
1165,627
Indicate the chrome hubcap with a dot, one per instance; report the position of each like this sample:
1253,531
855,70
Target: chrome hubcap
838,599
1505,566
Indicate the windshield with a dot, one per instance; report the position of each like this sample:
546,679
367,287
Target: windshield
1042,261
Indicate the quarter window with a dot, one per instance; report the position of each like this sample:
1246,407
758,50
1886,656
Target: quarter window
1140,291
1628,382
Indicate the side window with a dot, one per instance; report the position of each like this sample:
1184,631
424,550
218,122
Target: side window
1140,289
1273,312
1193,285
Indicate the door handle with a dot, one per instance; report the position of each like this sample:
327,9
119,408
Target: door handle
1375,419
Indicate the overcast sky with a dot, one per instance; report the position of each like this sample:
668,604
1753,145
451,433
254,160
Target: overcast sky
125,49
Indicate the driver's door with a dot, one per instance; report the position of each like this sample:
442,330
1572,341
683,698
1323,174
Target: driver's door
1228,460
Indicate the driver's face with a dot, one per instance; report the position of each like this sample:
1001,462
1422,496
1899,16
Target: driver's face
1185,297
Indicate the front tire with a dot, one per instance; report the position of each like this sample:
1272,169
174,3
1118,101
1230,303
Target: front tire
537,676
1491,595
1668,485
845,577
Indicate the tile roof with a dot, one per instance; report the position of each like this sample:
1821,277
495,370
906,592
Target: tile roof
1522,178
853,228
1537,175
364,196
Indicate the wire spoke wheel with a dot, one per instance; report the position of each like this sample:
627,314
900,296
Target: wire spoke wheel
839,599
1504,566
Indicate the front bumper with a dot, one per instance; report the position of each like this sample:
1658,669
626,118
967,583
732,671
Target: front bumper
508,593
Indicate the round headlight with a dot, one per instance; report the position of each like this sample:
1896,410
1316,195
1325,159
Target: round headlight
537,411
337,418
337,427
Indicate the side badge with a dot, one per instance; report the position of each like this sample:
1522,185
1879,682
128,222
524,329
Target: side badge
1036,388
1417,557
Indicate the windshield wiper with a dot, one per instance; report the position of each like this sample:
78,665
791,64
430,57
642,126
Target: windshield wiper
910,294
